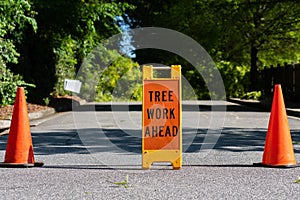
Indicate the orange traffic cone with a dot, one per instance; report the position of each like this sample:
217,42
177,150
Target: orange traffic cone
19,149
279,151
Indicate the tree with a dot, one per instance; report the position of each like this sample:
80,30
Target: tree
67,32
15,17
243,32
253,28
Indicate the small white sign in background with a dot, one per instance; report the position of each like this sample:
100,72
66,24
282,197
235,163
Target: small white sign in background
72,85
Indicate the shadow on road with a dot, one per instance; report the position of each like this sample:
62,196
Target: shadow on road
129,141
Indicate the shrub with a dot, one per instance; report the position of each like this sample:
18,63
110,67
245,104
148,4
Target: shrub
65,65
8,84
121,81
235,78
106,75
255,95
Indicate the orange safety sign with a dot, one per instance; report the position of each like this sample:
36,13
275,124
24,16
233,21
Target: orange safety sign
162,135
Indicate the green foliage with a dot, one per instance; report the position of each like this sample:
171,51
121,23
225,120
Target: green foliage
258,32
124,183
281,54
297,180
46,101
8,85
86,22
235,78
107,76
67,32
230,29
196,81
15,16
236,81
255,95
65,65
121,81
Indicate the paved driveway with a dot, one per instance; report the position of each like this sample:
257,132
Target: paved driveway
86,151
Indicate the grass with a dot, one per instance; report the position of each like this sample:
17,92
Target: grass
123,183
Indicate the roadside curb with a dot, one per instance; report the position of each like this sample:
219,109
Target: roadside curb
292,109
263,105
4,124
62,105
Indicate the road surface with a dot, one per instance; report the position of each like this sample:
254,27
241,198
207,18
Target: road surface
86,151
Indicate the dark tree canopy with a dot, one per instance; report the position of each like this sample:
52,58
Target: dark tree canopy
244,32
46,41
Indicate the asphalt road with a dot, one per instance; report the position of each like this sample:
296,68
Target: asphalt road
86,151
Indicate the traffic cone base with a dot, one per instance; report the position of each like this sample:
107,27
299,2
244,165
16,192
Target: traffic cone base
278,151
19,149
274,166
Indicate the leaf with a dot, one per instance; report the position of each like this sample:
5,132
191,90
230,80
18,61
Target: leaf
123,183
297,180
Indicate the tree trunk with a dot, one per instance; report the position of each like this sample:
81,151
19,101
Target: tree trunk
253,69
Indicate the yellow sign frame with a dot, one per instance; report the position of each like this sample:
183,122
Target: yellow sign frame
173,156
